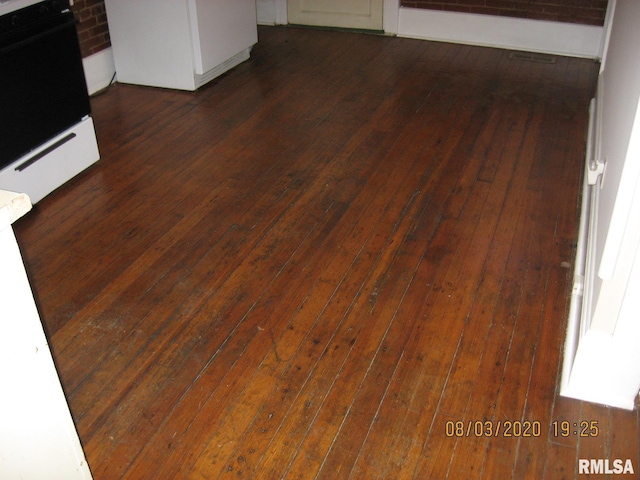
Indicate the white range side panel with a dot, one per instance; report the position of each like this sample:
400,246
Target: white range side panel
38,439
221,29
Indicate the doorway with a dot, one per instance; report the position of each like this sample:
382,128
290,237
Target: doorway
356,14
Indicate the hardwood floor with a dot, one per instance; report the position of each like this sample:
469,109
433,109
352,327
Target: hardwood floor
319,263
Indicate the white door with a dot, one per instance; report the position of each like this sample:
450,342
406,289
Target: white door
360,14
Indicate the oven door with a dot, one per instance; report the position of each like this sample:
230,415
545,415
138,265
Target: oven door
42,86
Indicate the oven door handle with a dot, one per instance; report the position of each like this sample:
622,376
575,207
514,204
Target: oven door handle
45,152
69,21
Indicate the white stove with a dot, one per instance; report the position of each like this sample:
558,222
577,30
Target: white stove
48,135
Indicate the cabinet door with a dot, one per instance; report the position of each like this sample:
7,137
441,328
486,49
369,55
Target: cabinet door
360,14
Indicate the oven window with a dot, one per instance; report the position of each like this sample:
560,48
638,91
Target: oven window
42,85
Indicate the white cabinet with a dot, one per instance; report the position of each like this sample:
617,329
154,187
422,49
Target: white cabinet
179,44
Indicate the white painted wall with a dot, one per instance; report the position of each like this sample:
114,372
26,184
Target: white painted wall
502,32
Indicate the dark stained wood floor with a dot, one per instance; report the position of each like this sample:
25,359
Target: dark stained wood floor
317,264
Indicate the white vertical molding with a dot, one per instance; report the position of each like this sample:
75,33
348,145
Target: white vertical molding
266,12
606,35
390,11
281,12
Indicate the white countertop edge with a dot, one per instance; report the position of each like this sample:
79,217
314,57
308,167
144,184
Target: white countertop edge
12,206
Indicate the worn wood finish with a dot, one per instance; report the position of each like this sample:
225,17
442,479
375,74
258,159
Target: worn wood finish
311,265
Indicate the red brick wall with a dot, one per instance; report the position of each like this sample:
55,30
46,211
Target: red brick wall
588,12
93,31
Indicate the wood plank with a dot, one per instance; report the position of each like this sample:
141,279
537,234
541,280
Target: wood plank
316,265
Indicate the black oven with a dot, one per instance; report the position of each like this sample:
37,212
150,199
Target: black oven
42,85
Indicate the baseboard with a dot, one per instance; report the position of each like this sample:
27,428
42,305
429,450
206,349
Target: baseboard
99,70
503,32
